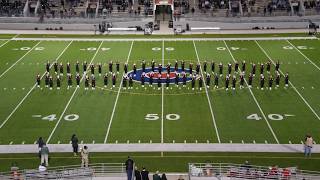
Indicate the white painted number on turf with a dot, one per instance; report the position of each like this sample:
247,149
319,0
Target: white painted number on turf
156,49
232,48
50,117
169,48
105,49
154,117
29,48
298,47
71,117
273,117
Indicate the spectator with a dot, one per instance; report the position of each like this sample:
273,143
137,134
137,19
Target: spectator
129,167
180,177
40,143
137,174
156,176
163,177
44,155
75,146
308,145
144,174
84,157
42,168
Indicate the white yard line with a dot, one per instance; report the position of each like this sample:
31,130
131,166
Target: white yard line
74,92
164,39
303,55
304,100
255,100
25,97
19,59
6,42
209,102
116,102
162,98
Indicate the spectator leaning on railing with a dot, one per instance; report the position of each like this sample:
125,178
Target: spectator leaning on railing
308,144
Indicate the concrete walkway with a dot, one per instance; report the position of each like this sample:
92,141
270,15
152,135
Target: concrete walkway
166,147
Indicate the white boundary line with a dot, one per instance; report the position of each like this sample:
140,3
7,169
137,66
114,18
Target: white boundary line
162,99
163,39
209,102
74,92
25,97
255,100
116,101
304,55
314,112
20,59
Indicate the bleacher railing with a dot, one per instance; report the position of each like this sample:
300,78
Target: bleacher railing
68,172
246,171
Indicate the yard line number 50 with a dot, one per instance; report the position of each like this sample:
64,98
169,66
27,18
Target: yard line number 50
154,117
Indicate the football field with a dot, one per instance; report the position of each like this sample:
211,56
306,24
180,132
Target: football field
147,114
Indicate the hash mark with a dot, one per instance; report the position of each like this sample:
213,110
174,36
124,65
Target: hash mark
230,141
150,141
11,143
208,141
81,142
196,141
35,142
242,141
116,141
128,141
93,142
265,141
22,142
254,141
185,141
58,142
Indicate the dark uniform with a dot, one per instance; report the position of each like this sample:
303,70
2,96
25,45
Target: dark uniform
243,66
250,78
278,79
38,80
253,72
277,65
190,68
160,68
200,83
92,68
270,82
68,68
212,67
159,82
124,81
177,79
268,66
93,82
241,81
184,79
168,68
151,79
198,68
110,66
168,81
152,65
143,64
99,69
125,68
216,80
48,66
193,82
55,66
182,66
262,81
176,66
234,80
69,81
205,66
261,68
130,81
229,68
114,79
78,80
85,65
208,80
50,82
118,67
86,82
220,69
77,67
236,67
46,80
286,80
105,80
61,69
227,82
142,79
58,82
134,69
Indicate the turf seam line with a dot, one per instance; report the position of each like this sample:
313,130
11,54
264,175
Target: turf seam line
25,97
21,58
74,92
208,98
255,100
116,101
303,55
304,100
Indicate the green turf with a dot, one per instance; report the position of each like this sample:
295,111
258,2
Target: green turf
106,115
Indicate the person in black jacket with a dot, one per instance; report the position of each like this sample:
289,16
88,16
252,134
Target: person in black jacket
74,141
137,174
144,174
129,167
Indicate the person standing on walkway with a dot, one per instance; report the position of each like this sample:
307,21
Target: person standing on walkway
40,143
44,155
84,157
75,146
129,168
137,174
156,176
145,174
308,145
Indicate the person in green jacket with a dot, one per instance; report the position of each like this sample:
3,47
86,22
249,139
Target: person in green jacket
156,176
